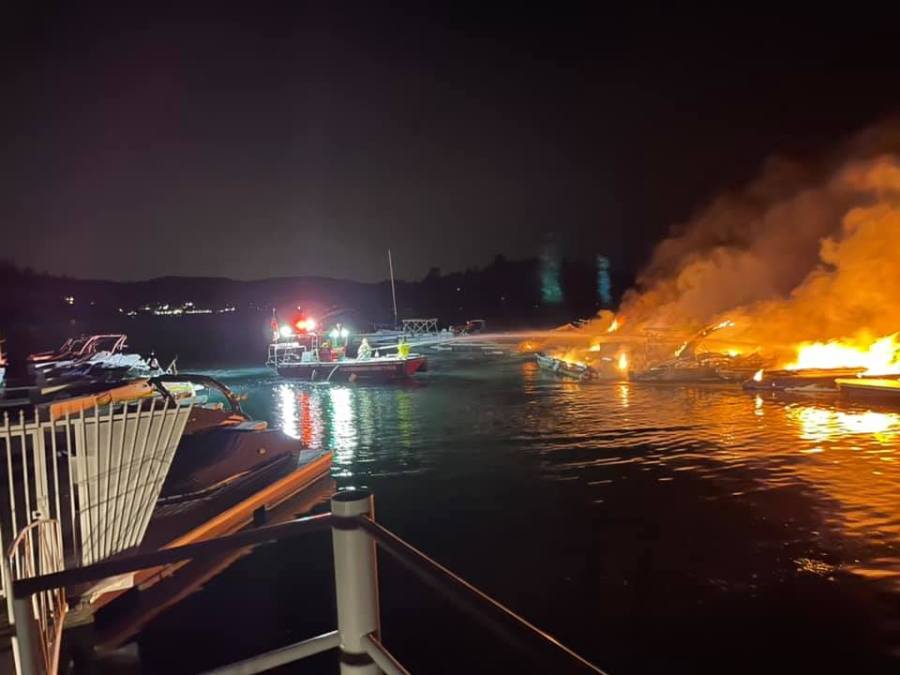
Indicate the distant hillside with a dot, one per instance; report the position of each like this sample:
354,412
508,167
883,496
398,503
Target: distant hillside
505,292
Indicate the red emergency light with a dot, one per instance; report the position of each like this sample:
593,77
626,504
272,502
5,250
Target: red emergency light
305,325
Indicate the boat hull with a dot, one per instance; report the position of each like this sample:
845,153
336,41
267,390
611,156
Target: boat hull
876,390
374,370
786,380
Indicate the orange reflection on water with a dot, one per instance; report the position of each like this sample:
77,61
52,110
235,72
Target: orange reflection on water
819,423
622,390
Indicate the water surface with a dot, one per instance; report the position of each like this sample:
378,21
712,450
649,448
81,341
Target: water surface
653,528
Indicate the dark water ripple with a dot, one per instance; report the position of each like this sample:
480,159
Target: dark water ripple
655,509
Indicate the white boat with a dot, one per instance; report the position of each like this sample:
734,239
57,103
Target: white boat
92,357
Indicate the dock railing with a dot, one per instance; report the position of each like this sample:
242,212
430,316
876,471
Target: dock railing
355,538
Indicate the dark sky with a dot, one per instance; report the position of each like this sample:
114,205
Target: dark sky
294,138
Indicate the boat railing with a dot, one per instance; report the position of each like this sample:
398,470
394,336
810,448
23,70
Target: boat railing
287,352
38,550
420,326
356,538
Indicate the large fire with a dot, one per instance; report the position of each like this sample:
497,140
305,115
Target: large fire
879,357
799,269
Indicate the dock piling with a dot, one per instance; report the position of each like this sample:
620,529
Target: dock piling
356,581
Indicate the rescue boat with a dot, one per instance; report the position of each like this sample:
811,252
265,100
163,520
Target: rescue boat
302,355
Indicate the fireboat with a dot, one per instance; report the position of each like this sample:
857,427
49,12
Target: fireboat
298,352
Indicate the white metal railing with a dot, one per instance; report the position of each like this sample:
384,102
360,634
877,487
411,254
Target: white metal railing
80,486
97,472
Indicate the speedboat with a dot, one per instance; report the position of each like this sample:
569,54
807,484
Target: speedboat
97,358
304,357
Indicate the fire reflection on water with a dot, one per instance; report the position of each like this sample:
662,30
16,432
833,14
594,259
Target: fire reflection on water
840,461
622,390
818,423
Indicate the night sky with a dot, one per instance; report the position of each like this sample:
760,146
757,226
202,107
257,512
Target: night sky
305,139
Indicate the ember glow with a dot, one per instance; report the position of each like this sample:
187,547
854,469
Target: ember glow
879,357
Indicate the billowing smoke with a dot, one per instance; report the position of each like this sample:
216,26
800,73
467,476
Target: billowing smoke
853,290
802,253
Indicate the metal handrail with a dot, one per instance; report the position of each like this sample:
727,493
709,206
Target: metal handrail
430,570
367,640
167,556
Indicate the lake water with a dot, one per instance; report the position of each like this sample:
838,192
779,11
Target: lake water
652,528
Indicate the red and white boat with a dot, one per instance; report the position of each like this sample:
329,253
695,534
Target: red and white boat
304,356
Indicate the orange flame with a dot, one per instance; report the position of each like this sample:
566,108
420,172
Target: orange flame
879,357
622,362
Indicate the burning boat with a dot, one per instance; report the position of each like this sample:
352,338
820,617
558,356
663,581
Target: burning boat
810,380
565,368
689,364
857,369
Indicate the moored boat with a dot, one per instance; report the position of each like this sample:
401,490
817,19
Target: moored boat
881,389
823,379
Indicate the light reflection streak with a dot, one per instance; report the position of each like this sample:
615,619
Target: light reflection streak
287,409
623,392
343,434
299,414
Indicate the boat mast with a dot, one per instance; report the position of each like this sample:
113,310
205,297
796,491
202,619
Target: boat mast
393,290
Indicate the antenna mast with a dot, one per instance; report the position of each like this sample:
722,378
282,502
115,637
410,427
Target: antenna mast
393,290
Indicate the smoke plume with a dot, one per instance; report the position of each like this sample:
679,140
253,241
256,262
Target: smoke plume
805,252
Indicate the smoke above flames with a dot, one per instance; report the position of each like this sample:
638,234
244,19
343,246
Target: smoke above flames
803,253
